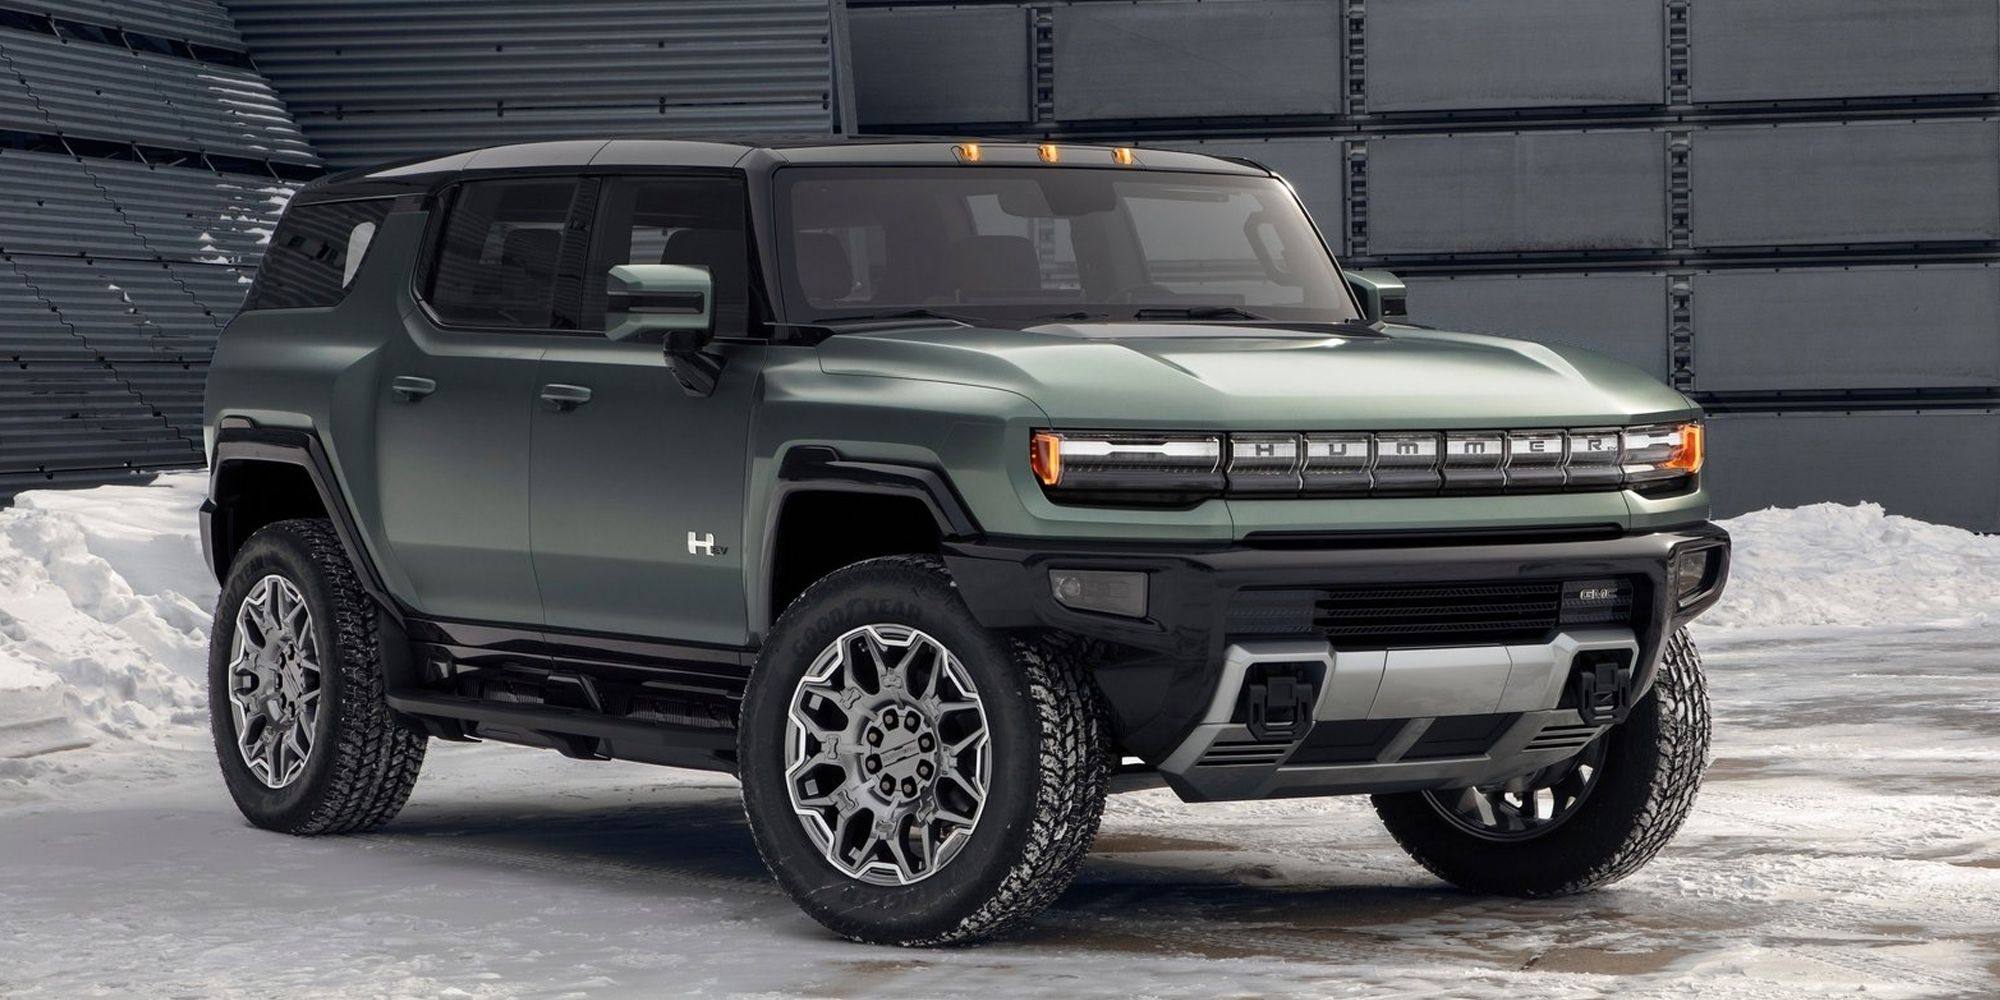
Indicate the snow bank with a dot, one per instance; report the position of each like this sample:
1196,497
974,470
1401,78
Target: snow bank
1830,564
104,608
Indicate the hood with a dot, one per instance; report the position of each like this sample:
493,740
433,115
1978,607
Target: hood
1188,375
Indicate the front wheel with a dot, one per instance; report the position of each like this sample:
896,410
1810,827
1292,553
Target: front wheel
910,777
1586,822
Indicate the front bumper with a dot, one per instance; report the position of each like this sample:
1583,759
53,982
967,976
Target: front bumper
1382,719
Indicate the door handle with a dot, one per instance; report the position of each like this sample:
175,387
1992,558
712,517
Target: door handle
410,388
564,398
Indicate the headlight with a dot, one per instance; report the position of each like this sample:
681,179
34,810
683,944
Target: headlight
1180,467
1661,454
1166,467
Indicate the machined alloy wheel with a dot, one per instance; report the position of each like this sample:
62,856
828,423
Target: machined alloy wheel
274,681
1525,807
296,676
888,758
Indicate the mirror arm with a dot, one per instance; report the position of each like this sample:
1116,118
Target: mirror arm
696,370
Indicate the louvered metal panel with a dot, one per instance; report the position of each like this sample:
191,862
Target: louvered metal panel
49,204
376,79
85,89
226,110
179,213
203,22
218,288
122,310
78,422
31,331
117,274
101,92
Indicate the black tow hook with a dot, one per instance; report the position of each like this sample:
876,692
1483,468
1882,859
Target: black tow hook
1603,689
1281,707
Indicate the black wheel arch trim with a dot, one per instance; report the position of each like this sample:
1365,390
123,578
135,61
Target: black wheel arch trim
239,440
819,468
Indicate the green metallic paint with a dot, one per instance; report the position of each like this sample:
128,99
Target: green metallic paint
442,487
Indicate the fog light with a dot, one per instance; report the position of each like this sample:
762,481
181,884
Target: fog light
1687,572
1111,592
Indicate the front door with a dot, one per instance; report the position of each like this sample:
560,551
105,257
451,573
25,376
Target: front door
458,396
638,486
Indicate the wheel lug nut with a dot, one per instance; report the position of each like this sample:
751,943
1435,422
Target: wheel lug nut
889,721
926,744
873,763
916,721
874,737
909,786
923,769
888,785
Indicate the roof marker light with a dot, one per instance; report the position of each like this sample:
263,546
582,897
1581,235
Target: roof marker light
1050,153
1124,157
967,152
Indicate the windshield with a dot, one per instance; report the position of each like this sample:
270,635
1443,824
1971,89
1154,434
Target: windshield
1021,246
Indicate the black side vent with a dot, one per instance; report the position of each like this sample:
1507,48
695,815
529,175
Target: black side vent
1244,753
1564,737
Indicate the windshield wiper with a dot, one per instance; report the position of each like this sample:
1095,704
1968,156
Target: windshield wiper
890,316
1196,312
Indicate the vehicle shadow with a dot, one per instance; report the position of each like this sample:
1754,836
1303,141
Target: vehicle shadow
1141,893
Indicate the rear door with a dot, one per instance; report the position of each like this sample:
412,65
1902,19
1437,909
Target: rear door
638,486
454,413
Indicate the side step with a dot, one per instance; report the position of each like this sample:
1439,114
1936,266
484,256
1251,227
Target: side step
577,732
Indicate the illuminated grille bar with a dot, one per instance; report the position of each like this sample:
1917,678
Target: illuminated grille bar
1184,467
1448,462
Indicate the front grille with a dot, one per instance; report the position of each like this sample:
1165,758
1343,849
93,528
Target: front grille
1402,616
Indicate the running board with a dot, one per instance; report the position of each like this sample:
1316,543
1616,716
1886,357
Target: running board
573,732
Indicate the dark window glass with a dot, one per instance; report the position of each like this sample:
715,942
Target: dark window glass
500,262
315,253
1022,245
676,220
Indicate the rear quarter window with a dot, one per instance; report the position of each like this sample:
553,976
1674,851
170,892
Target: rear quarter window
315,254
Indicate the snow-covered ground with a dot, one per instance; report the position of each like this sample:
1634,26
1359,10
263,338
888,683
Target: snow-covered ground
1848,840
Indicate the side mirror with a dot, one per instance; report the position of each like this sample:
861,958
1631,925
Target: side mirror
1382,295
675,302
650,299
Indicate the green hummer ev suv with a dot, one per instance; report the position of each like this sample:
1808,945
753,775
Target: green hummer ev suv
935,489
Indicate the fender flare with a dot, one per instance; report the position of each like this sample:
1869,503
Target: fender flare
239,441
820,469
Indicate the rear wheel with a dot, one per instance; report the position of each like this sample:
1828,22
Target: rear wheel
910,777
1588,821
306,741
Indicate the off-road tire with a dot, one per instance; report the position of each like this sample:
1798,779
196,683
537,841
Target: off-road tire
365,757
1051,764
1652,769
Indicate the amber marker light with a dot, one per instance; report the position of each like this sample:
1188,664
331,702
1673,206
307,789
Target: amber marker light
1124,157
1688,455
1045,457
1050,153
967,152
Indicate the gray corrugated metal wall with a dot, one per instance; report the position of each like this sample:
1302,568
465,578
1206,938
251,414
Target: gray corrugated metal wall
377,80
141,166
1789,208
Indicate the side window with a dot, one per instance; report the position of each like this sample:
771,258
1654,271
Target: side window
699,221
499,261
315,254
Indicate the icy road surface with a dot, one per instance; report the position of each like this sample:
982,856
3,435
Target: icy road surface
1847,842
